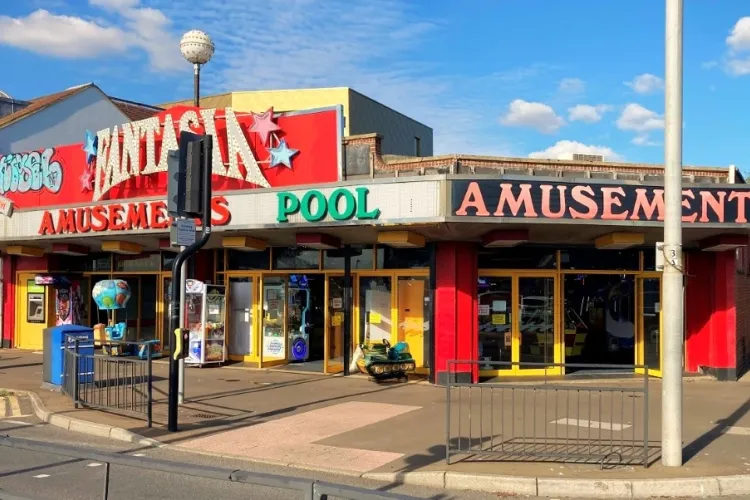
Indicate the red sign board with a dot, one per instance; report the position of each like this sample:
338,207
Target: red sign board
129,161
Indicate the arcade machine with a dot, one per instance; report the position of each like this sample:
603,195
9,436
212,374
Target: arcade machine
299,312
204,313
109,296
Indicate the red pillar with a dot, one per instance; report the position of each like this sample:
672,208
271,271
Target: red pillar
9,301
711,314
456,310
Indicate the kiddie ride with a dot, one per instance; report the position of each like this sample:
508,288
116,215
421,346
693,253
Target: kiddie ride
383,361
110,296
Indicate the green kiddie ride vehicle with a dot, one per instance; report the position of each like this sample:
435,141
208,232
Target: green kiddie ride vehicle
383,362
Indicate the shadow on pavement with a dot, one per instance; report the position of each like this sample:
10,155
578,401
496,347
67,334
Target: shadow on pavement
699,444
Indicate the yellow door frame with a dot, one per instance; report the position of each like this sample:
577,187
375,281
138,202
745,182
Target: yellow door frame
21,307
277,361
328,367
254,277
397,276
558,341
640,333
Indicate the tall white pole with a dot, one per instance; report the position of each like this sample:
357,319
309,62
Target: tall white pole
672,279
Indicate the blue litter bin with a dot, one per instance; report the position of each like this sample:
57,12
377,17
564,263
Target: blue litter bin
54,339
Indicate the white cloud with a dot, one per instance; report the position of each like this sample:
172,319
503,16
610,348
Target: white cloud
588,113
709,64
62,36
643,140
564,150
535,115
77,38
738,67
572,86
739,39
738,42
636,118
646,83
115,5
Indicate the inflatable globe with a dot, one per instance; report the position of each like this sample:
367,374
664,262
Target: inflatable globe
111,294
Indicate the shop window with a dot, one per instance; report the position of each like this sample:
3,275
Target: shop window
402,258
138,263
362,258
295,258
167,259
591,259
740,260
248,261
219,255
521,257
649,259
90,263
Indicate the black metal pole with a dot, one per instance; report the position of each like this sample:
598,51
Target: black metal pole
174,309
347,308
197,85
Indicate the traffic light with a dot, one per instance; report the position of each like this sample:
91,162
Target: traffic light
185,172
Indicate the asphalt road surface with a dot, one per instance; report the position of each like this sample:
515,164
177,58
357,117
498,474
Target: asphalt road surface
42,477
38,476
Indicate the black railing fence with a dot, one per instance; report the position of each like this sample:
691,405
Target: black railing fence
113,383
310,488
547,418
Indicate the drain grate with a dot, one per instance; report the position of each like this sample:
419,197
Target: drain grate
204,416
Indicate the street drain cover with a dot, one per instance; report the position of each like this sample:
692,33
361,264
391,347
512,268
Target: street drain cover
204,415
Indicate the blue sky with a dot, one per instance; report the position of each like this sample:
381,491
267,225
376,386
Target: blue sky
543,78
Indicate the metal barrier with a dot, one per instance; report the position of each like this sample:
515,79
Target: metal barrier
312,489
122,384
548,420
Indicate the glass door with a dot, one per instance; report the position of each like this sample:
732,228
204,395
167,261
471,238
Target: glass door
334,335
241,340
273,339
413,309
518,321
496,315
537,320
649,325
375,309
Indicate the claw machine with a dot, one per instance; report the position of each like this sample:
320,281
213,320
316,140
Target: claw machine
205,307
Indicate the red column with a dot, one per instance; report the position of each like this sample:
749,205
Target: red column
711,314
456,310
9,301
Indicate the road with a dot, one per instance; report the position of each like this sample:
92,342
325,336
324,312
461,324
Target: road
41,477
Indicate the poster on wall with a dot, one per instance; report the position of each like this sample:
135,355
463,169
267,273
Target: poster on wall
69,305
378,307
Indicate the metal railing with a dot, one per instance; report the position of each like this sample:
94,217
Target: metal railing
549,419
311,488
121,384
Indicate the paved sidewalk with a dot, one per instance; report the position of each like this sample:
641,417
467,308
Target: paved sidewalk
388,431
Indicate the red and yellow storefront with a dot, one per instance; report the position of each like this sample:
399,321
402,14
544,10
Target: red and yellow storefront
523,270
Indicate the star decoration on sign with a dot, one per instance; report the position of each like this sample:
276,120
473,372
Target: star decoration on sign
87,180
264,125
90,145
282,155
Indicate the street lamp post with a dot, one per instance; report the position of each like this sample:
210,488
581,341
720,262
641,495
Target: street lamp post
197,48
672,279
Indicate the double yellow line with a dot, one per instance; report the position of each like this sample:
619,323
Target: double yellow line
12,404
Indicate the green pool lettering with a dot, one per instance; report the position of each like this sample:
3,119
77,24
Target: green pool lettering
342,204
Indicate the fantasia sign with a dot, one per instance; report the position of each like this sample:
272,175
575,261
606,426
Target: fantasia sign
606,202
129,161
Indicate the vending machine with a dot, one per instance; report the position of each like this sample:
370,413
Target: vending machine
205,307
